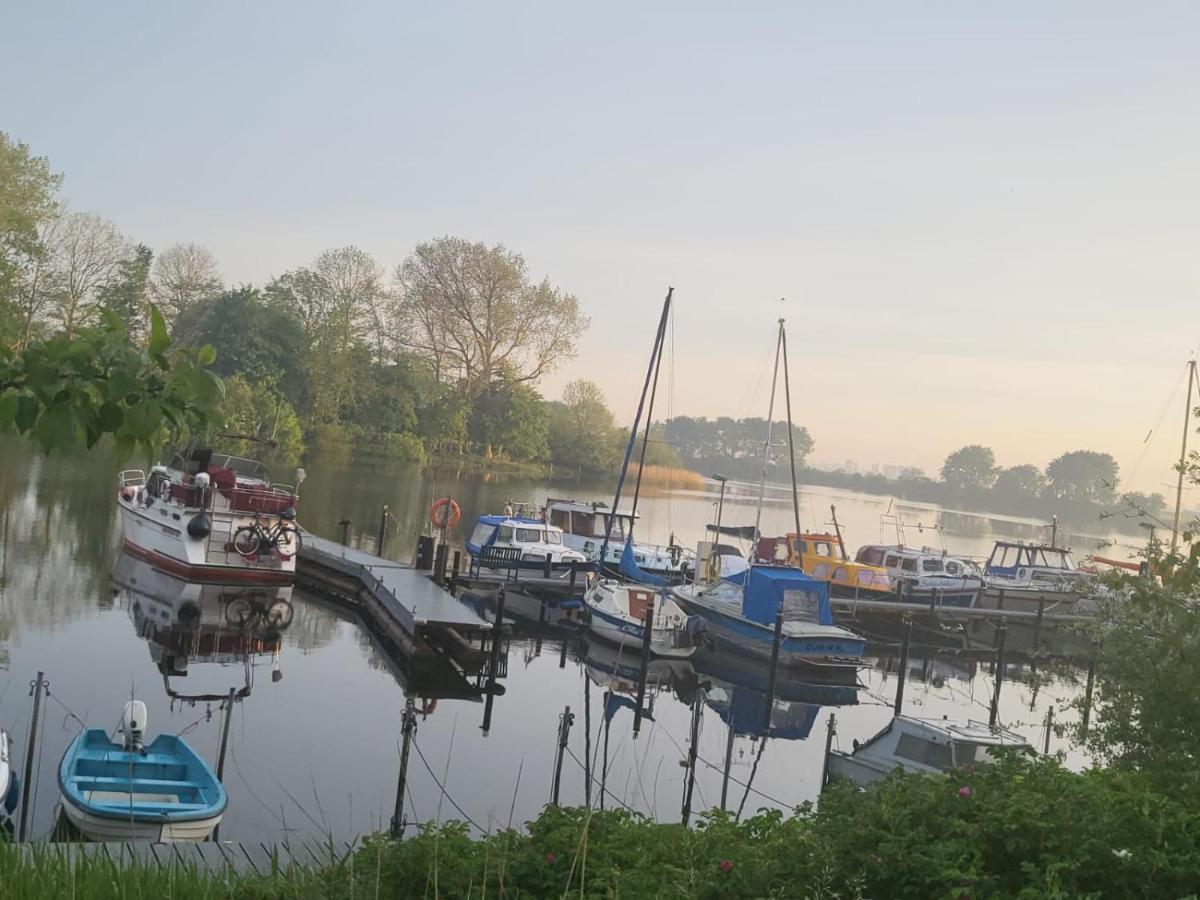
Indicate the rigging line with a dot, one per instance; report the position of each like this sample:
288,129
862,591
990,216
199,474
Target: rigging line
445,793
596,781
1158,423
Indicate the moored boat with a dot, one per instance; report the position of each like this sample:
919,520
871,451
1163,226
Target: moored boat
211,517
926,574
130,791
592,528
520,542
618,612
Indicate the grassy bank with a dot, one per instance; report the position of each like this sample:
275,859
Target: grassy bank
1017,829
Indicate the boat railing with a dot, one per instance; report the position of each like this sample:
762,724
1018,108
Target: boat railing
131,478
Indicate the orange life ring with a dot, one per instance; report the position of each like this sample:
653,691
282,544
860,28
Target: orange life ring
426,708
445,513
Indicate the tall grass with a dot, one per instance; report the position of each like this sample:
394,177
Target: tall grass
669,478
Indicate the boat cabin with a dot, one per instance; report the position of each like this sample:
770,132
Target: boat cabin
820,556
908,562
923,745
534,539
1022,562
583,523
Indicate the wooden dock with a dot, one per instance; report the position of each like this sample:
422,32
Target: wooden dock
213,857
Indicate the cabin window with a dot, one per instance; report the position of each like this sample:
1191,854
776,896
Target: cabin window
529,535
871,556
481,534
893,562
839,574
823,549
821,571
799,604
969,754
504,534
553,537
908,565
560,518
585,524
923,751
803,545
931,565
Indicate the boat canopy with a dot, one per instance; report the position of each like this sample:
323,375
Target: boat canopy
766,589
487,527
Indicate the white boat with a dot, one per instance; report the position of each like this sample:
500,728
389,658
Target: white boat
10,784
925,573
522,541
617,612
921,746
585,526
211,517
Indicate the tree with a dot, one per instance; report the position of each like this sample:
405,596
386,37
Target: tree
128,293
1082,476
699,439
252,410
84,256
510,418
1020,482
183,275
72,390
970,468
474,309
582,433
27,202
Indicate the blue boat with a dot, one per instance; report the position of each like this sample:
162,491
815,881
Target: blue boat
741,612
129,791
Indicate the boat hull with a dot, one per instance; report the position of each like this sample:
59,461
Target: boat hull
157,536
620,628
844,767
101,828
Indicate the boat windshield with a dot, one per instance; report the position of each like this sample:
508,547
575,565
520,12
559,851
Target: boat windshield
529,535
553,537
925,752
968,753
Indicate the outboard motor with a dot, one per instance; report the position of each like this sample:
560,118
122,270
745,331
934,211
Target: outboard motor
133,725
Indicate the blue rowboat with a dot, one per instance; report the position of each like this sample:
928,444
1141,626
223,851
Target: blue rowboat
126,791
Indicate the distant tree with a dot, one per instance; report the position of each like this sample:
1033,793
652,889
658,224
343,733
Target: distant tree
27,202
473,311
84,257
128,293
1145,504
510,419
1023,482
1083,476
183,275
581,429
970,468
699,439
264,344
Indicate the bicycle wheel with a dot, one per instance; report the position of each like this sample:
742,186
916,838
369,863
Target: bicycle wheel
246,540
239,611
287,542
280,614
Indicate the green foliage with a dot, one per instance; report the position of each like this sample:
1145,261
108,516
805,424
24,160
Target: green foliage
1024,481
74,391
259,411
128,294
970,468
581,431
1082,476
510,419
27,199
734,447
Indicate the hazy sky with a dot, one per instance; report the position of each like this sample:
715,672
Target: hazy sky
985,217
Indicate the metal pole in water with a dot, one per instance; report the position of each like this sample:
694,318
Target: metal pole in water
1001,637
1049,726
1087,692
439,564
36,689
493,662
407,729
379,544
830,731
454,572
344,524
775,642
587,742
224,746
647,633
604,753
728,762
903,675
564,731
697,709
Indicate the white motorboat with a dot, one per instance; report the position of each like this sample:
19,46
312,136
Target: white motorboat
617,612
922,746
925,573
211,517
522,541
586,525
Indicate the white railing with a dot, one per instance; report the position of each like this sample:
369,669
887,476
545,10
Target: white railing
131,478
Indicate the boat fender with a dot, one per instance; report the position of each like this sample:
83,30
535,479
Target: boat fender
714,565
199,527
1022,574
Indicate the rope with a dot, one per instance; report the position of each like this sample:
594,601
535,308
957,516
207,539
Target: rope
446,793
596,781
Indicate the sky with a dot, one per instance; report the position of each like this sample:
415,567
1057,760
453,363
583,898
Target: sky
984,217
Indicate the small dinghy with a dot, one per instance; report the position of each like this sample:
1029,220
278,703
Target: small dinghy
129,791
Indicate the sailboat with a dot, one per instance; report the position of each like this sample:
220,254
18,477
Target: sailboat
745,611
619,609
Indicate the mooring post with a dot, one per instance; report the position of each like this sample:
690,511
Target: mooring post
647,634
380,544
562,654
408,726
604,751
587,742
830,731
1001,637
697,710
35,688
903,674
775,642
564,731
454,572
223,747
574,574
728,761
439,564
1000,601
1087,692
493,663
344,524
547,566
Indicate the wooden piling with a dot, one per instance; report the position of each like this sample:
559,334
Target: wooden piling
407,728
454,572
830,731
439,564
564,731
898,707
775,642
647,634
690,784
1001,637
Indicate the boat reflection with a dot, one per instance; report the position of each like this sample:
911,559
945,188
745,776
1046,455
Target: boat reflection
186,622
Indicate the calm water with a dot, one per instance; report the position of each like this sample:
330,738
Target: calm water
314,744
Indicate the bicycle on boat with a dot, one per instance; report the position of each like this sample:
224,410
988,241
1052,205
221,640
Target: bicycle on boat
256,539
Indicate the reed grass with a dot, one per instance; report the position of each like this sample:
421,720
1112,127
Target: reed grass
669,478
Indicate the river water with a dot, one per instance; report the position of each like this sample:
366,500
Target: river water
314,744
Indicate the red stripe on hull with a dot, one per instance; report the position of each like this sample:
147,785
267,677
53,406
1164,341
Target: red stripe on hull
212,574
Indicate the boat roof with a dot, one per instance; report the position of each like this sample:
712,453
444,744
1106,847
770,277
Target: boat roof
815,536
1031,545
514,522
975,732
586,507
912,551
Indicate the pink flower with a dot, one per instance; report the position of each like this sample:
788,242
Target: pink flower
964,791
726,865
551,858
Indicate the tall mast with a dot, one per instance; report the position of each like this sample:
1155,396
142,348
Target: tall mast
762,484
1187,421
787,396
650,370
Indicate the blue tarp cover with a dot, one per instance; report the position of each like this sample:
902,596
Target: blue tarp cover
767,588
630,569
